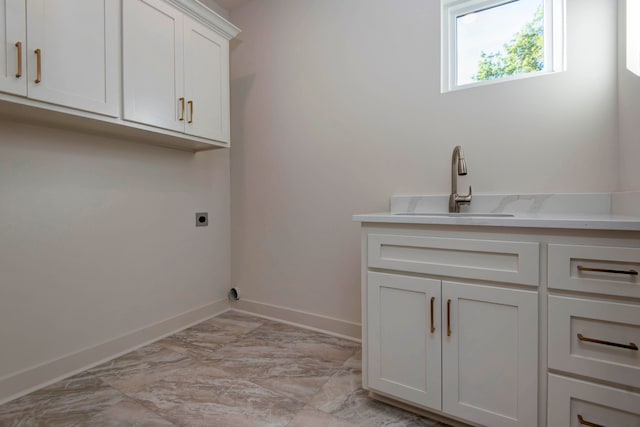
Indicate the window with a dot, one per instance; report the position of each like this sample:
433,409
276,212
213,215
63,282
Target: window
484,41
633,36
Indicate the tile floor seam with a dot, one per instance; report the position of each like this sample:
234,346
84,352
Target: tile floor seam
143,403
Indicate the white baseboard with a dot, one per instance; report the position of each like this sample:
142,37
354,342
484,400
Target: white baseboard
317,322
31,379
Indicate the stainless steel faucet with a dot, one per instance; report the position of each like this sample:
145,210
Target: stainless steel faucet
455,200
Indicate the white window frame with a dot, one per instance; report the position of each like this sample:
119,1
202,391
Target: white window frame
633,36
554,39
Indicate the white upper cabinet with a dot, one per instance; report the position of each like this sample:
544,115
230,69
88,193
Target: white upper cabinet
153,83
175,71
154,71
73,53
206,67
13,44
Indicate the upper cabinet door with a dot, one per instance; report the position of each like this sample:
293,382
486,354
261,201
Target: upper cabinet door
153,64
206,82
13,45
73,53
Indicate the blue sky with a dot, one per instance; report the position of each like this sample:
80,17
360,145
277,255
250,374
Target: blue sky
488,31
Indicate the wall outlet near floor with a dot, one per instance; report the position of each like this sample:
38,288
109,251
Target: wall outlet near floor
202,219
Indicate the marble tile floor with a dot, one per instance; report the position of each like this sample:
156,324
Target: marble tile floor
233,370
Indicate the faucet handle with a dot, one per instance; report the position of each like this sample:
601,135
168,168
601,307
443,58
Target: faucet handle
466,199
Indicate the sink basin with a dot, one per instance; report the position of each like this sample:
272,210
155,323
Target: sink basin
462,215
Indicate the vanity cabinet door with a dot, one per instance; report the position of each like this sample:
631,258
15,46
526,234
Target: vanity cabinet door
73,53
153,64
490,354
13,45
206,68
404,344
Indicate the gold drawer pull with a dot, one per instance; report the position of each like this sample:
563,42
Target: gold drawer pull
181,99
448,317
190,112
606,270
630,346
433,327
38,53
584,422
19,46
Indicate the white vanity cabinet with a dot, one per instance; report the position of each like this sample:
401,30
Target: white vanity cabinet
527,320
62,52
467,348
594,334
460,348
175,71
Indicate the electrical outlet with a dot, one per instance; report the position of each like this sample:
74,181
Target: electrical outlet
202,219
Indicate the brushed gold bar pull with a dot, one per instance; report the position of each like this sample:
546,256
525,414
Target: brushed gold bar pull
584,422
19,46
630,346
181,99
190,112
606,270
449,318
38,53
433,327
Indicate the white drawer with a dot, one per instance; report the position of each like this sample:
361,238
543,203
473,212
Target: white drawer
574,323
568,266
571,401
511,262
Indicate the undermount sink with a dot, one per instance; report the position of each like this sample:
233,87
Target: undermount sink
457,214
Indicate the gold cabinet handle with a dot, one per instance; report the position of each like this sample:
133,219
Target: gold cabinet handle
433,327
190,112
181,99
449,318
630,346
584,422
38,53
606,270
19,46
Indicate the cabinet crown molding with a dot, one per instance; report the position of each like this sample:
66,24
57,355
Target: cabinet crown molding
206,16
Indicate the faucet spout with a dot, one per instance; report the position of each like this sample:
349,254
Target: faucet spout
459,165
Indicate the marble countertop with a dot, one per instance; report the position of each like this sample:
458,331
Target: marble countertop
566,221
561,211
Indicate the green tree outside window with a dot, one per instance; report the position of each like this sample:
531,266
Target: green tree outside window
523,54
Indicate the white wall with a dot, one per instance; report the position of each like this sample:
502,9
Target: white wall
336,106
98,239
213,5
629,115
98,247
